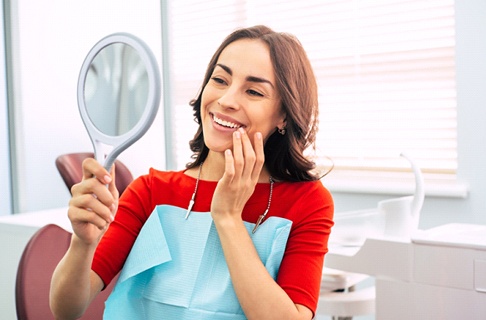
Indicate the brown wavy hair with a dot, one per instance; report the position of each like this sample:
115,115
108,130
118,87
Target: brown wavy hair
297,86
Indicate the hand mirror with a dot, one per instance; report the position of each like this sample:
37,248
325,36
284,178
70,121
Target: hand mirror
118,94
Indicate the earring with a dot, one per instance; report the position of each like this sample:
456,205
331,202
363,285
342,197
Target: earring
281,131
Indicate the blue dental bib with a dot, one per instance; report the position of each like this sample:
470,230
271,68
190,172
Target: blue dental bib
177,270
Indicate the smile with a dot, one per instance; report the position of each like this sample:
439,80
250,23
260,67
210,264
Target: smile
225,123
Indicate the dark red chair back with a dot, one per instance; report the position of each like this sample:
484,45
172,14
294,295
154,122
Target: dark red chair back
39,259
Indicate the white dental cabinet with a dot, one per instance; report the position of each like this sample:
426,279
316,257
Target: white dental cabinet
439,274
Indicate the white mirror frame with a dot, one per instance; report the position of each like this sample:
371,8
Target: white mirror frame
121,142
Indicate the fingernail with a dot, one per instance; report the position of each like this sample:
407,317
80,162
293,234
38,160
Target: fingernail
258,135
237,134
107,179
241,130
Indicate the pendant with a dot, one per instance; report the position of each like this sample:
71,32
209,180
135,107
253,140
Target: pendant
189,208
191,202
259,221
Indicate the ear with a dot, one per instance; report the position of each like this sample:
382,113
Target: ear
282,122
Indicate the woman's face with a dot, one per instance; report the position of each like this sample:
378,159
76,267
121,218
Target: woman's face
240,93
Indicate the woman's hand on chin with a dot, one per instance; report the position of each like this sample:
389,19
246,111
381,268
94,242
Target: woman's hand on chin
242,171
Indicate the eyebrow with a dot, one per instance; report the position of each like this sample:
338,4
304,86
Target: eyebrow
248,78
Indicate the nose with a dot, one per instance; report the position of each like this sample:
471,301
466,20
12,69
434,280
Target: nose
230,99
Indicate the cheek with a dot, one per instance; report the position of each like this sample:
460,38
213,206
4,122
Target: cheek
204,98
267,130
272,121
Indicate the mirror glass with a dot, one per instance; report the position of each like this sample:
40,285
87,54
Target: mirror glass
116,89
118,94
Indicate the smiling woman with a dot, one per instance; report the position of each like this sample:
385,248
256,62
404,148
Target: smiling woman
247,221
273,90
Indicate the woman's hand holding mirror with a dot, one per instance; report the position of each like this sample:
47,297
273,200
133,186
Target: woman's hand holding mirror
93,206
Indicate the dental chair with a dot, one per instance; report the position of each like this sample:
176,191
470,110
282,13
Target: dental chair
38,261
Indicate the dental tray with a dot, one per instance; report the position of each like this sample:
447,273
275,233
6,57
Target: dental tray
461,235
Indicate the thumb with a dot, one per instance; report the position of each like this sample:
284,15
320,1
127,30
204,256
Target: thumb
112,186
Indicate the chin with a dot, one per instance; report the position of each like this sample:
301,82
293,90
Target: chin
218,146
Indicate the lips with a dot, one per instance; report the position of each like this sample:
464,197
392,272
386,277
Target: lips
226,122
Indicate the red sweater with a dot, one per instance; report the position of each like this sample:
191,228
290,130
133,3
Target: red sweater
307,204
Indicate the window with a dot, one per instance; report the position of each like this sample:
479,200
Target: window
385,71
5,184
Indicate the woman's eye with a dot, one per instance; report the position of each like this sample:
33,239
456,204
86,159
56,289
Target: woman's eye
218,80
255,93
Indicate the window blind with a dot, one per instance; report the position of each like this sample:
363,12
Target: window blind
385,70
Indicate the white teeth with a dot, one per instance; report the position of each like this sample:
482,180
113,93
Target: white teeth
225,123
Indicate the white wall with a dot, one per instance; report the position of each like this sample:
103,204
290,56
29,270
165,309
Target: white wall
471,105
51,41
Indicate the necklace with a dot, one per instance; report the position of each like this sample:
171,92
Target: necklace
260,218
264,214
191,202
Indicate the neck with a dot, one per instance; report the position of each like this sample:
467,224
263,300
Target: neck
213,168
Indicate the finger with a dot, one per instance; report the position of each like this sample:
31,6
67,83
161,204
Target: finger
79,215
114,192
238,161
92,202
93,187
249,155
93,205
91,168
229,167
259,156
112,186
